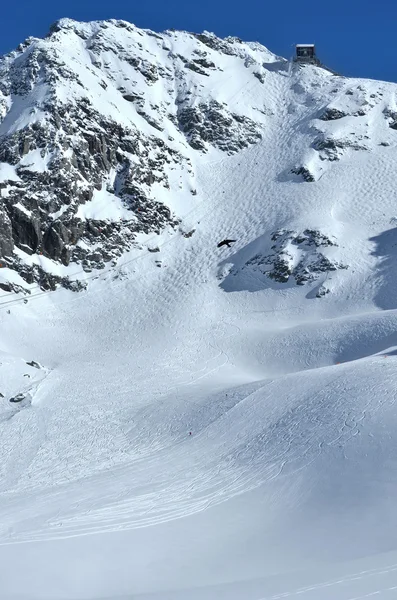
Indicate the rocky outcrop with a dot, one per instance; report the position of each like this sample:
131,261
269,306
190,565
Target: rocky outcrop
333,148
212,124
229,46
304,173
6,237
282,266
297,258
332,114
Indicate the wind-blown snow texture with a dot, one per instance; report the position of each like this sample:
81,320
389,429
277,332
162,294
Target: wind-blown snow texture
179,421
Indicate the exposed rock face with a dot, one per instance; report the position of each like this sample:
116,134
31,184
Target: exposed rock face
6,239
81,160
332,149
34,364
81,147
211,123
294,258
304,172
297,256
228,46
18,398
332,114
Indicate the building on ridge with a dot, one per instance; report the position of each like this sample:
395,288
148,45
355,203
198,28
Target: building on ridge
306,54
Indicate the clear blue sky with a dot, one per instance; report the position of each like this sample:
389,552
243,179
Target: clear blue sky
355,37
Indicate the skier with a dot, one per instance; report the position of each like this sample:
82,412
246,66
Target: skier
226,243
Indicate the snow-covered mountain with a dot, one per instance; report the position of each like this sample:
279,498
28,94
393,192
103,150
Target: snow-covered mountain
179,420
101,126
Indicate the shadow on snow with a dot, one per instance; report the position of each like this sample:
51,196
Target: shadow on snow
386,274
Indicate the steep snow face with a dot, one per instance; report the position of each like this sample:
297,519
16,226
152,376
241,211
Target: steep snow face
197,422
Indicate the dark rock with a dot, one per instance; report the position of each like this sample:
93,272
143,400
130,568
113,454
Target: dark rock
304,172
312,237
332,148
390,114
205,63
281,270
34,364
18,398
188,234
133,98
194,67
26,230
332,114
211,123
322,291
224,46
150,120
280,265
6,237
259,76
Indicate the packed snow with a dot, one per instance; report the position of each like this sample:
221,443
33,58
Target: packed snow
190,427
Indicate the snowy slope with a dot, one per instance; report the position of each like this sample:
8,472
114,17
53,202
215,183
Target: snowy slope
205,423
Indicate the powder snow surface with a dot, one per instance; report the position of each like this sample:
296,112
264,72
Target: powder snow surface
195,431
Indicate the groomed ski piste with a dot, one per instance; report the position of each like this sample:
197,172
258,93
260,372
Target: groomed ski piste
201,431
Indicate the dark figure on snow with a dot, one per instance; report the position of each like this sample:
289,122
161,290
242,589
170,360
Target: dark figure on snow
226,243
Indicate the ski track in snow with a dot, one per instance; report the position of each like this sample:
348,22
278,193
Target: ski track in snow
359,577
